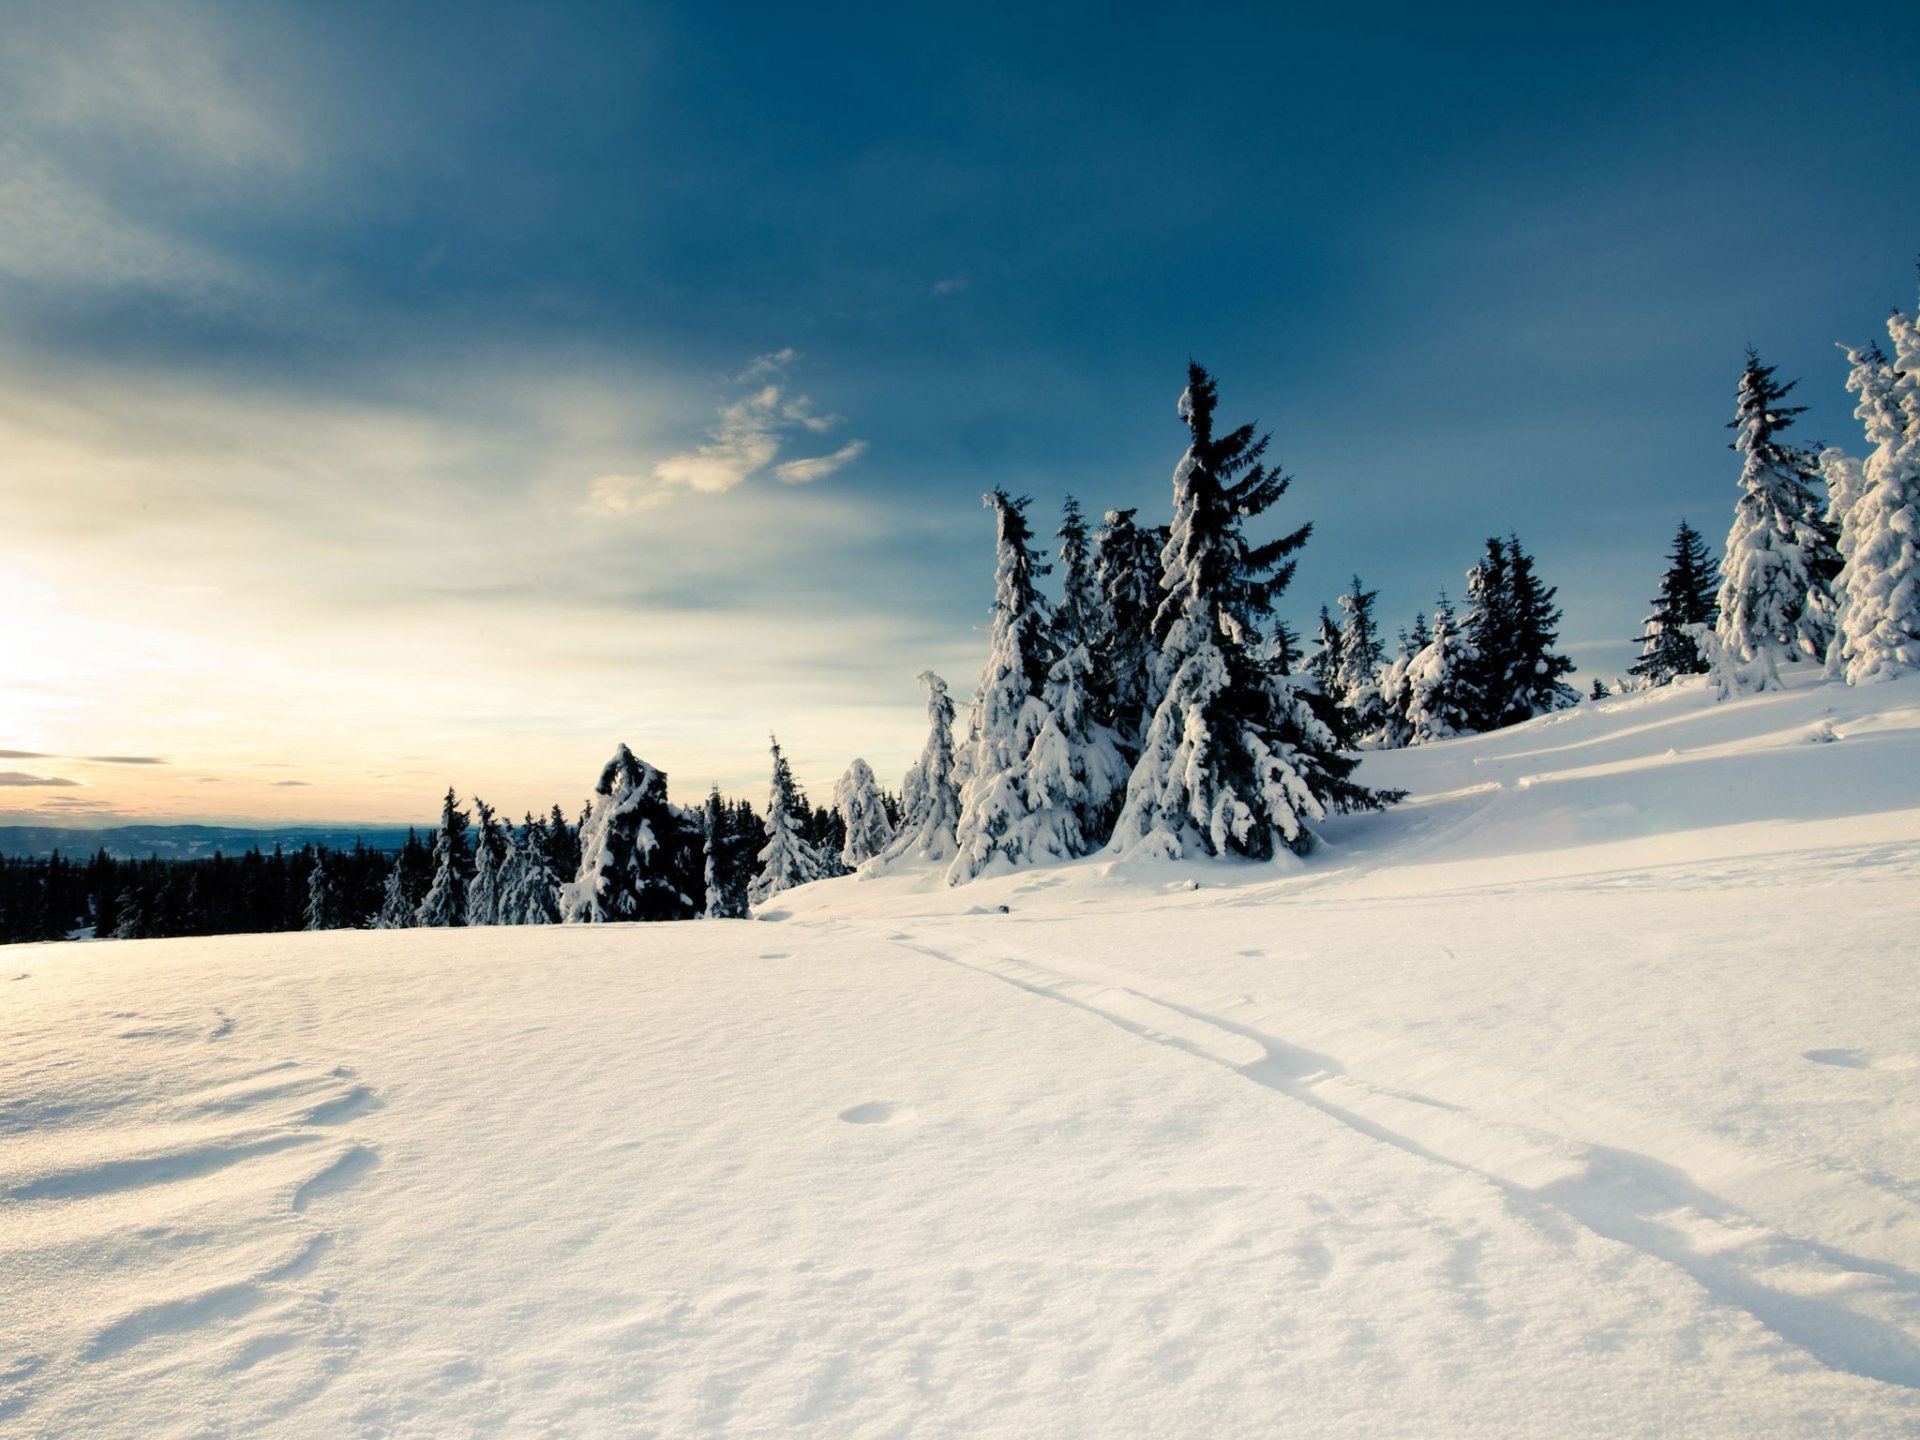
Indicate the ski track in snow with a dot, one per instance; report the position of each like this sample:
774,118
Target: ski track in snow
1812,1295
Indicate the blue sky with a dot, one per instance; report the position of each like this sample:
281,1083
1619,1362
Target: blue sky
394,395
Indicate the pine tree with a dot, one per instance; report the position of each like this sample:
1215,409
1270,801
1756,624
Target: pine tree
999,825
1235,760
1599,690
445,901
529,887
1687,598
1396,691
1441,701
929,799
396,910
1775,599
1536,683
1126,567
639,854
1356,677
1877,634
483,890
787,859
1324,664
323,905
863,813
1077,619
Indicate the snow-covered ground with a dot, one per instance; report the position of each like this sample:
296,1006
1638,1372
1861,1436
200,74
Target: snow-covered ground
1578,1096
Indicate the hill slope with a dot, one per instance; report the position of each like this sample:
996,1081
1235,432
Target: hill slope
1578,1096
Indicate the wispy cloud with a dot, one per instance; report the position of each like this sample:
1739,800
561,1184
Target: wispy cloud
22,780
952,285
88,759
744,441
286,784
800,472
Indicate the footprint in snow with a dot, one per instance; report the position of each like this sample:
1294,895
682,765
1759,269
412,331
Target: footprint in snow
1858,1060
876,1112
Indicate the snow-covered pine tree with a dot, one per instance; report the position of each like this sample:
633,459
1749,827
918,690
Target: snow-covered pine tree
323,902
396,911
1687,597
1126,567
1877,634
1487,628
445,900
1536,683
787,859
996,824
1076,619
1356,678
1324,664
1235,762
639,853
529,890
1396,693
929,800
1776,604
483,890
1441,702
864,814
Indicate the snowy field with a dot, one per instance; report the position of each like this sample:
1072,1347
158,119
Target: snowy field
1578,1096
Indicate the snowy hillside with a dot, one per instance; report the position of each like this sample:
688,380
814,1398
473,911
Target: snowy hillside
1579,1095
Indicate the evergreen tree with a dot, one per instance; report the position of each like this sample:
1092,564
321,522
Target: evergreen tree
483,890
1687,598
1234,761
1396,691
323,904
1775,599
1126,567
1536,683
787,859
1008,712
444,903
1599,691
1441,700
396,908
863,814
1356,677
1878,591
529,886
1077,619
639,854
929,799
1324,664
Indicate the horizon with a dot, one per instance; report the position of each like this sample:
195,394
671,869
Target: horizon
444,395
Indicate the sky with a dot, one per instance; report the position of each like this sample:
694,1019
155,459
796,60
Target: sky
404,395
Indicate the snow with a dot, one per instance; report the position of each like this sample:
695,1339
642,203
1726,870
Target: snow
1579,1095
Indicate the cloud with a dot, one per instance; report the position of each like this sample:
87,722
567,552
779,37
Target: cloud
20,778
952,285
772,363
283,784
744,440
800,472
88,759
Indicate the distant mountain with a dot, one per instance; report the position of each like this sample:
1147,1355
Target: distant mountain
192,842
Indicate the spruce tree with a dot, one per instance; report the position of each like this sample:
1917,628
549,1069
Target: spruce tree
639,853
1040,772
1441,700
787,860
322,912
1076,619
1234,762
483,890
1356,677
445,900
1126,567
1877,635
1687,598
1776,606
929,799
1536,683
396,910
863,814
